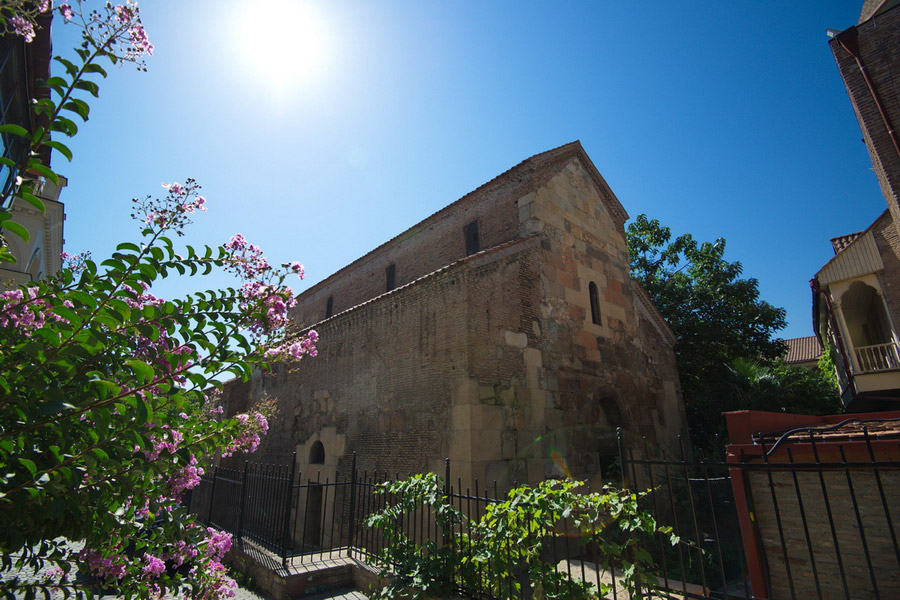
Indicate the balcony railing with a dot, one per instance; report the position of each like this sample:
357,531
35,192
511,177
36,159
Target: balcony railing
878,357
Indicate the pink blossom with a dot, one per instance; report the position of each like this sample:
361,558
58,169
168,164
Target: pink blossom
155,567
218,543
297,268
140,42
112,566
66,11
22,27
174,188
123,13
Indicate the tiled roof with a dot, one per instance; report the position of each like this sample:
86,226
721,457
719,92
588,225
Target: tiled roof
846,431
803,349
842,241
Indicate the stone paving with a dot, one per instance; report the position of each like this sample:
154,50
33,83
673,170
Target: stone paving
346,594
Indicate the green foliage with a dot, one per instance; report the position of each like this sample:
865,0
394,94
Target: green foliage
108,394
716,315
783,388
506,549
415,570
828,365
105,38
104,403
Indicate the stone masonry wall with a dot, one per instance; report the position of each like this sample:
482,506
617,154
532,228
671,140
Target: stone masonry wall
492,360
596,377
390,371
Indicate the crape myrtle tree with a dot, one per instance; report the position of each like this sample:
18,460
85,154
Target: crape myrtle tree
108,410
717,316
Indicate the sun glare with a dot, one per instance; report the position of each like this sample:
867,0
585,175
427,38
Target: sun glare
281,51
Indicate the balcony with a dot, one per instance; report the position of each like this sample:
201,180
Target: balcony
878,357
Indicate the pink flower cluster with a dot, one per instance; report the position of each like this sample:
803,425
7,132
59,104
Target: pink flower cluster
271,300
160,442
23,27
219,585
154,567
75,262
179,553
173,211
218,543
246,260
123,13
26,311
247,440
112,566
295,349
186,479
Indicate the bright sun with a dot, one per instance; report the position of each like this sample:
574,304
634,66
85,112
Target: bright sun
281,51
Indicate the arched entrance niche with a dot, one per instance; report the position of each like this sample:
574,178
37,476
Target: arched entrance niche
868,327
317,453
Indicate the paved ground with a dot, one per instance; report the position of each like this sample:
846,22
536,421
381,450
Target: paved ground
245,594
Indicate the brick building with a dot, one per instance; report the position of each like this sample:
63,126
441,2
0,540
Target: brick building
21,65
503,332
856,295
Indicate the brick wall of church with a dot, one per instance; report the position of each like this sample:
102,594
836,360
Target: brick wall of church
423,248
493,361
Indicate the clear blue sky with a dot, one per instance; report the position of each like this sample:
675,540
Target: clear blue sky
717,118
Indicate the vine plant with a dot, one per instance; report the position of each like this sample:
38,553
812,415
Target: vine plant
504,551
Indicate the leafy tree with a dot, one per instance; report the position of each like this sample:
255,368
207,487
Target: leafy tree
717,316
780,387
107,393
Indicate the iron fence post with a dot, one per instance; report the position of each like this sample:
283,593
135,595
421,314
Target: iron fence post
287,511
621,446
212,495
243,501
351,528
446,538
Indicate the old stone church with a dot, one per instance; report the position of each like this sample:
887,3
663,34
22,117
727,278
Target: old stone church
502,332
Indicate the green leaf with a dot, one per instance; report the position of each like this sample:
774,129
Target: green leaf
44,106
32,468
64,125
129,246
88,86
94,68
71,69
56,81
60,147
16,228
15,130
35,165
79,107
144,371
32,200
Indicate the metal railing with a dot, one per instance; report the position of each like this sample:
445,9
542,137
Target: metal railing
877,357
821,517
691,493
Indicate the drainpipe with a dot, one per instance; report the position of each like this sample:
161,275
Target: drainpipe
814,284
849,41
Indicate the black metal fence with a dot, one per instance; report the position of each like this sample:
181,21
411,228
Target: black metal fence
692,493
787,505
